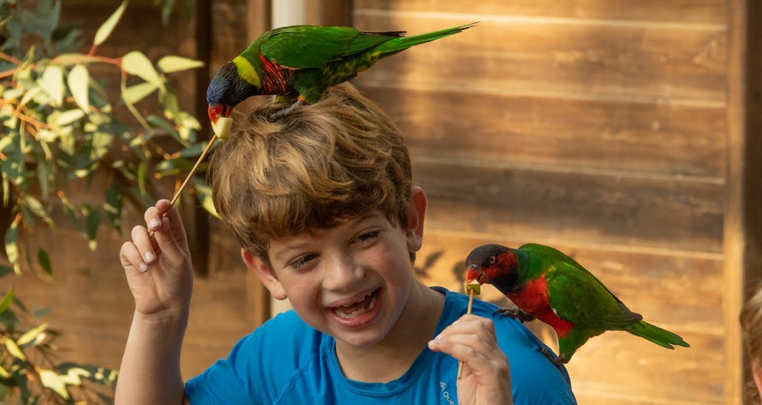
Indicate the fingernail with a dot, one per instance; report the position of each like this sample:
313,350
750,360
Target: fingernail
142,266
439,339
149,256
154,224
431,343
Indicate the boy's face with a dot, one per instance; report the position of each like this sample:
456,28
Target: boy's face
351,281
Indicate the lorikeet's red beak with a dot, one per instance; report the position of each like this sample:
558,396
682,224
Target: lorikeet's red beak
473,273
217,111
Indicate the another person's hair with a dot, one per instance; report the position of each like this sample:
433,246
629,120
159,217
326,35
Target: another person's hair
751,327
310,168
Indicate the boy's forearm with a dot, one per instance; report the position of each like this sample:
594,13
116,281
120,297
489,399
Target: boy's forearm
150,370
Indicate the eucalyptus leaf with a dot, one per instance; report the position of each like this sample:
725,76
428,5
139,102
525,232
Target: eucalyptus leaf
137,64
171,63
51,380
14,349
138,92
31,335
12,248
92,222
44,259
5,303
68,117
113,206
78,81
107,27
53,84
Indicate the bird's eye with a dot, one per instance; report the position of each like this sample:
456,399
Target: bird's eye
492,260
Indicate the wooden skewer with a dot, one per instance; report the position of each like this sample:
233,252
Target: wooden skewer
192,172
468,312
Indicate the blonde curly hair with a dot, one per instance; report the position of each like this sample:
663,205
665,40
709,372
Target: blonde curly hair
310,168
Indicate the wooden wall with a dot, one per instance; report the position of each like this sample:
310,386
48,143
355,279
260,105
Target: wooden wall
619,132
596,127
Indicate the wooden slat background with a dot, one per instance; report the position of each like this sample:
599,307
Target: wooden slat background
614,131
593,126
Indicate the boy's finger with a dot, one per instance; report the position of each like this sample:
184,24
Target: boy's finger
130,257
170,248
142,242
152,217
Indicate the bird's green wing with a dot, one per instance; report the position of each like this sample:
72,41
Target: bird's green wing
578,297
308,46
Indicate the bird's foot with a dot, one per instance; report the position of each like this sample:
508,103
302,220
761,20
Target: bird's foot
557,361
515,313
286,111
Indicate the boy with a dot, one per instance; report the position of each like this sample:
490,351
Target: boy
321,201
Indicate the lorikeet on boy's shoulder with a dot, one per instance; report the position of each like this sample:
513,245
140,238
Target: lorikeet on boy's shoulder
303,61
552,287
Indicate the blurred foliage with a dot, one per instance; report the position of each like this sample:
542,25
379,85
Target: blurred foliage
59,123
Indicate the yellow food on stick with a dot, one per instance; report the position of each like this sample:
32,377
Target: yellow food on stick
222,127
474,286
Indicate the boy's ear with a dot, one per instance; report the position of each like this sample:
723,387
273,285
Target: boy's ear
757,373
416,212
264,273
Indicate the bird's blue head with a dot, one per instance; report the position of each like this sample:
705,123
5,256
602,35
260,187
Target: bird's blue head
226,90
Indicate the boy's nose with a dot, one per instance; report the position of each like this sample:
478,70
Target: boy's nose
342,274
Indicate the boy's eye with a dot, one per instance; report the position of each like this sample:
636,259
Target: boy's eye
367,236
302,260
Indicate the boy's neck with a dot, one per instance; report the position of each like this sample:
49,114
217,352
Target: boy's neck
391,358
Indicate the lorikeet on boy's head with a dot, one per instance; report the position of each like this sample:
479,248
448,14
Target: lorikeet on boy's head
303,61
551,286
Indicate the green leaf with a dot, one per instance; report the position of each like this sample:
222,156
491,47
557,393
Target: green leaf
12,248
44,259
137,64
14,349
105,30
171,63
113,206
142,174
73,58
31,335
37,209
71,212
4,374
204,194
134,94
52,83
92,222
51,380
68,117
79,78
5,303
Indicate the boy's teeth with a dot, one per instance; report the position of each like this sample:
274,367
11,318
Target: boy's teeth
352,314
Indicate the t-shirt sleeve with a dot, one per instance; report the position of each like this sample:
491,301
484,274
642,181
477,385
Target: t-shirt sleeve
535,379
224,383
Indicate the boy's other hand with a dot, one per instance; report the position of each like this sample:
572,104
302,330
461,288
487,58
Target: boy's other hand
158,267
486,375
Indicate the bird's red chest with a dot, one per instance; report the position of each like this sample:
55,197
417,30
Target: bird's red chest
534,299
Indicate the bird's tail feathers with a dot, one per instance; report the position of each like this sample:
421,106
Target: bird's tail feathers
402,43
655,334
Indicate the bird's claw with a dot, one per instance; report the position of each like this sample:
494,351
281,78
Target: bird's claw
557,361
286,111
515,313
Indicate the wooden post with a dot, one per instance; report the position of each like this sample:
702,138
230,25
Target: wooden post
329,12
194,42
743,209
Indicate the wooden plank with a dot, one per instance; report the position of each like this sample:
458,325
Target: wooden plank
469,193
678,11
743,220
229,32
329,12
646,64
682,296
667,139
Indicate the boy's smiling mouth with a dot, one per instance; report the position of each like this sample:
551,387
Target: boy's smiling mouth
352,310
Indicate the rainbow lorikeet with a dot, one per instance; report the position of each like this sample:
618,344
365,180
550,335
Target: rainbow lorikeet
552,287
303,61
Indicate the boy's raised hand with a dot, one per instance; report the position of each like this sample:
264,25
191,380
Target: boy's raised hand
158,268
486,374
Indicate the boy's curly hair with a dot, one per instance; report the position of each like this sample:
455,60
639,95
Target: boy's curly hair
310,168
751,327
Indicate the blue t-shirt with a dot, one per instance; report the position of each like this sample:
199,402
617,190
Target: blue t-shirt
285,361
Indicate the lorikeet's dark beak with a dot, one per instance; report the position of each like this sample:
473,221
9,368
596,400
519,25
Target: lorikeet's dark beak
473,273
217,111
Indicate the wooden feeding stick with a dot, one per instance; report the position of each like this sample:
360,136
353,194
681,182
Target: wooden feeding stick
472,288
